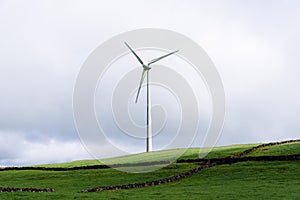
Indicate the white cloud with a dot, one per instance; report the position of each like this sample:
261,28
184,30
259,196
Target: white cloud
17,150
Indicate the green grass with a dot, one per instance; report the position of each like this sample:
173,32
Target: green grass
277,150
69,183
192,153
248,180
245,180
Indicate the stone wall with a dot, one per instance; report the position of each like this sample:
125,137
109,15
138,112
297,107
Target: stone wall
12,189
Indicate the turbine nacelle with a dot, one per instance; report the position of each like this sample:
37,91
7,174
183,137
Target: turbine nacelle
146,67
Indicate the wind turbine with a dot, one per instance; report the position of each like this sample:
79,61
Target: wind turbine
146,69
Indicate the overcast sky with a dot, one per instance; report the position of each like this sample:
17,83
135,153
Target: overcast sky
254,45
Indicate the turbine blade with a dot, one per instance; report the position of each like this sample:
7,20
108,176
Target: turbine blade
159,58
140,85
140,60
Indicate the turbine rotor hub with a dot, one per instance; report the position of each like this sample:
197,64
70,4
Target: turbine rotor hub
146,67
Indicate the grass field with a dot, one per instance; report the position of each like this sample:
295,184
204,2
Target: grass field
192,153
277,150
245,180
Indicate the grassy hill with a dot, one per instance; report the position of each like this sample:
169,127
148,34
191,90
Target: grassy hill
277,150
244,180
192,153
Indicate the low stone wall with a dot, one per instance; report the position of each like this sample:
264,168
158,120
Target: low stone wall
230,160
86,167
207,163
263,145
151,183
12,189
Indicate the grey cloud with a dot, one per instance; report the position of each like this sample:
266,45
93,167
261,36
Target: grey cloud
43,44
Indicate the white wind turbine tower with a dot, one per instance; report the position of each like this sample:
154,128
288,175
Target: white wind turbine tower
146,69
